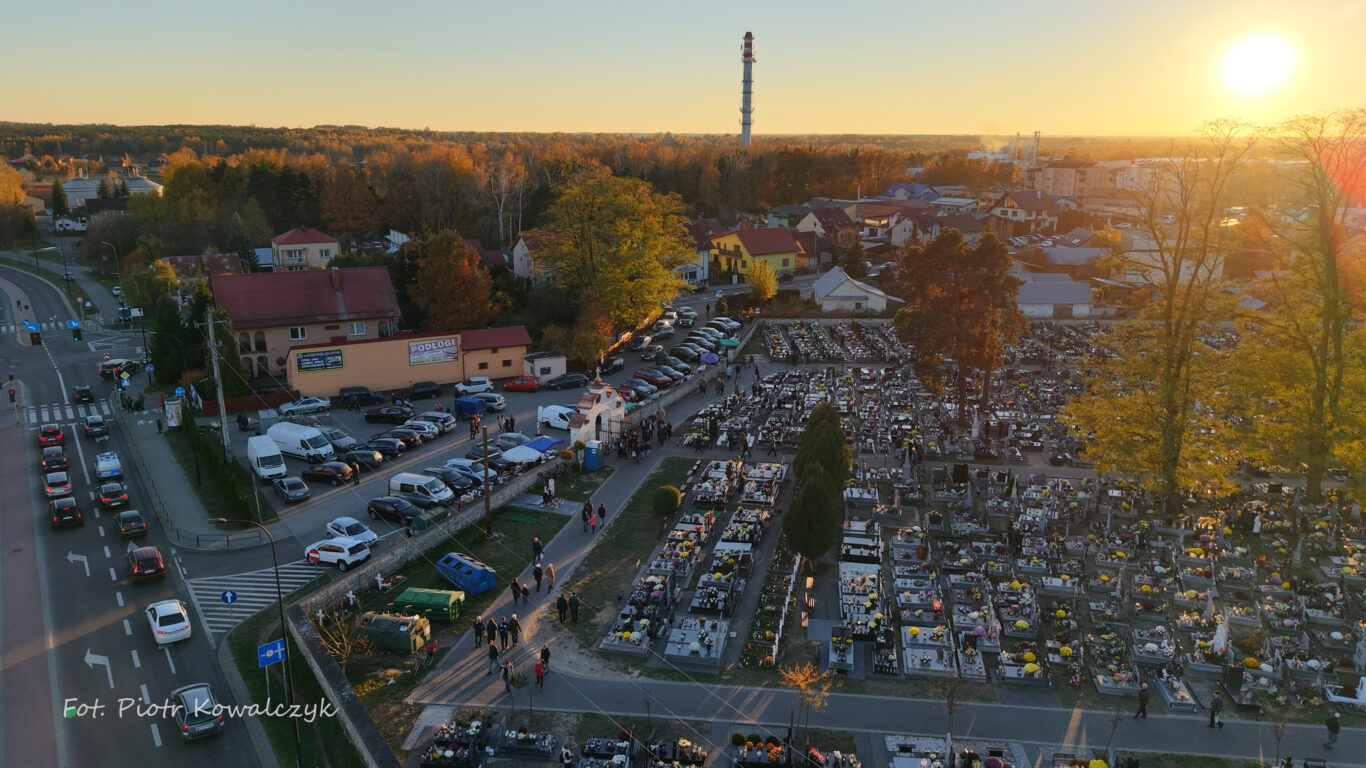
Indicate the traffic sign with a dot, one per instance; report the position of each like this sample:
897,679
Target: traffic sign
179,391
73,323
270,653
149,368
124,375
228,596
30,325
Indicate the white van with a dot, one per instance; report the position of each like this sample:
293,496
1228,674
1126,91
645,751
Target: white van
423,490
300,441
555,416
264,456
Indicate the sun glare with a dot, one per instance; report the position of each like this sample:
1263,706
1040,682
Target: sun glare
1258,64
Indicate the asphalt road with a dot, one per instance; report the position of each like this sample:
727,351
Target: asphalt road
74,631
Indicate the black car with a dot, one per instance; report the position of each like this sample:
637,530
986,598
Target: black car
393,509
82,394
386,446
334,472
659,334
684,353
612,365
567,381
366,458
454,479
703,342
54,459
410,438
476,453
65,512
113,495
654,352
392,414
425,390
677,364
477,478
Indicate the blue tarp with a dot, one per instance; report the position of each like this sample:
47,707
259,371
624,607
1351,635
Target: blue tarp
544,444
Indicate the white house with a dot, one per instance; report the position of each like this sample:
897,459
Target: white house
835,291
303,248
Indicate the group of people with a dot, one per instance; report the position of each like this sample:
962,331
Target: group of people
593,517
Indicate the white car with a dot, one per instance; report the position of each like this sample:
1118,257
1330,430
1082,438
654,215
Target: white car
428,430
342,552
474,385
169,621
340,440
495,401
556,416
351,528
307,404
443,421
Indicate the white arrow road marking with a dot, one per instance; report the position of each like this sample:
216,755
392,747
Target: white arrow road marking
156,735
137,664
91,659
168,658
127,628
72,557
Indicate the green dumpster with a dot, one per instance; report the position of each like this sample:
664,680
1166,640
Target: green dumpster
435,604
393,632
429,518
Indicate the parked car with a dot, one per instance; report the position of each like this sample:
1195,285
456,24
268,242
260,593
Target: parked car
57,485
677,364
389,447
393,509
457,481
474,385
130,523
196,711
340,440
146,563
367,458
306,404
612,365
50,434
410,438
342,552
65,512
703,342
425,429
54,459
496,402
639,343
113,495
509,440
95,426
522,384
686,321
82,394
443,421
653,377
556,416
292,490
393,414
169,621
359,396
334,472
662,333
654,352
672,373
425,390
682,353
645,388
567,381
350,528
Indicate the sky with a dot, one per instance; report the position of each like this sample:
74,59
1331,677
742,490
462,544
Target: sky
1063,67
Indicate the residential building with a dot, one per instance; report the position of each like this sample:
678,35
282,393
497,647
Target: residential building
523,256
1023,213
270,313
495,352
946,205
836,291
1068,177
875,220
303,248
200,267
700,231
1055,296
924,226
832,223
740,250
787,215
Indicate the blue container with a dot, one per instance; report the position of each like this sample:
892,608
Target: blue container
591,451
466,573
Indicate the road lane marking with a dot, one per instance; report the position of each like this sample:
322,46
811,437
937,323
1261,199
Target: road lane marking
146,698
72,557
85,468
113,576
156,735
91,659
101,530
127,628
119,597
137,664
106,551
168,658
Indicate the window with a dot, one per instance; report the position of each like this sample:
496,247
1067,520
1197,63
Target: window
324,254
507,363
298,333
243,342
262,367
260,340
483,366
294,255
784,262
355,329
544,370
331,327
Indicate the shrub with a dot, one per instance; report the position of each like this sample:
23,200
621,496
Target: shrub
666,500
771,739
754,738
737,739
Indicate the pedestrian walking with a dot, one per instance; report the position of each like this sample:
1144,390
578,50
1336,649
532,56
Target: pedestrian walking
478,630
493,655
504,630
516,590
539,670
526,594
491,630
537,549
545,655
507,677
537,573
574,607
159,425
561,607
355,472
1216,705
567,758
602,513
773,447
593,523
1143,697
549,576
1334,724
586,513
515,629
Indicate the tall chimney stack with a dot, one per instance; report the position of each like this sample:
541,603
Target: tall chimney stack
746,89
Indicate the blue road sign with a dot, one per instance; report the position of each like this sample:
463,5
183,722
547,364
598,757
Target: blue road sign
179,391
229,596
149,368
73,323
270,653
30,325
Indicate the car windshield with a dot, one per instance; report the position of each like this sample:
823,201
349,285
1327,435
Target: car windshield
316,441
353,529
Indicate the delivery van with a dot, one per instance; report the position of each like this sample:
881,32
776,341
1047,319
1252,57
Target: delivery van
423,490
264,456
300,441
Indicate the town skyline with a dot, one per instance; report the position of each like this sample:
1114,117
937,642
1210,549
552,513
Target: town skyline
1057,67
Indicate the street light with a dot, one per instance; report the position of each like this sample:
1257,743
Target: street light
284,628
118,268
37,251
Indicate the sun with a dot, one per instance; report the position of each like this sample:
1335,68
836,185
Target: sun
1258,64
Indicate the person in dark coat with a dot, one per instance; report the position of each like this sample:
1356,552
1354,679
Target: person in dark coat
491,630
536,550
1143,696
514,629
586,514
1216,705
515,589
574,607
1334,725
561,607
602,513
545,655
503,630
507,677
537,573
526,594
478,630
493,656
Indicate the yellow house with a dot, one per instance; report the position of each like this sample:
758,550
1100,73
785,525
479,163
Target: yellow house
742,249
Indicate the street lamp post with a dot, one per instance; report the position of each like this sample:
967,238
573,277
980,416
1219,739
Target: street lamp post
280,601
118,268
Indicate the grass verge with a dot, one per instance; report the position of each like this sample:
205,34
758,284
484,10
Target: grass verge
322,742
215,504
581,486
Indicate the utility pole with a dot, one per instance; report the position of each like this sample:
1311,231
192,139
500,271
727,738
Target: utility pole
218,384
488,489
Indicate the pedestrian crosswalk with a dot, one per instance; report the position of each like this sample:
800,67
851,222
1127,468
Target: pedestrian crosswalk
64,413
46,326
255,590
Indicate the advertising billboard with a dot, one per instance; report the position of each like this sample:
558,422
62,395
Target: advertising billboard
318,360
427,351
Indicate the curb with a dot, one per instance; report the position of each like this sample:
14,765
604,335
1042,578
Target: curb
265,754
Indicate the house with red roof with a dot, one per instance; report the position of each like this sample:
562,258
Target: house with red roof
303,248
740,250
270,313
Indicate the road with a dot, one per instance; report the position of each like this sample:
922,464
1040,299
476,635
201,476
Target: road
74,632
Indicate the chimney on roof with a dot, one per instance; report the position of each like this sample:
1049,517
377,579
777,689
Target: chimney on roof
336,278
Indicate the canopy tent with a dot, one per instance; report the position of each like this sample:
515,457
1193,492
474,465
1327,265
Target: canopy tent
543,444
523,454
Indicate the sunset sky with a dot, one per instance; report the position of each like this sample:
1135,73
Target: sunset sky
1075,67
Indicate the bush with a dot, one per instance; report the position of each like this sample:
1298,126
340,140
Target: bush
771,739
753,738
737,739
667,499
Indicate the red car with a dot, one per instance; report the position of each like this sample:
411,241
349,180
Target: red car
50,434
653,377
522,384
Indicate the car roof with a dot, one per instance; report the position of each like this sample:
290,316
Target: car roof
145,552
167,606
345,520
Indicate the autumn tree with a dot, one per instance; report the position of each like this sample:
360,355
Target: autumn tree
1149,405
452,288
1302,350
60,207
346,202
763,282
813,686
11,185
960,304
509,184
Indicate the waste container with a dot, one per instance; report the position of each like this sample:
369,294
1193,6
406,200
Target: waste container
435,604
591,452
394,632
429,518
466,573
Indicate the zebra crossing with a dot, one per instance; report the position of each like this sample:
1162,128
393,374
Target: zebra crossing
46,326
255,590
64,413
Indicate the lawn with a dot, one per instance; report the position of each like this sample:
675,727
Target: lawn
322,742
215,505
580,486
